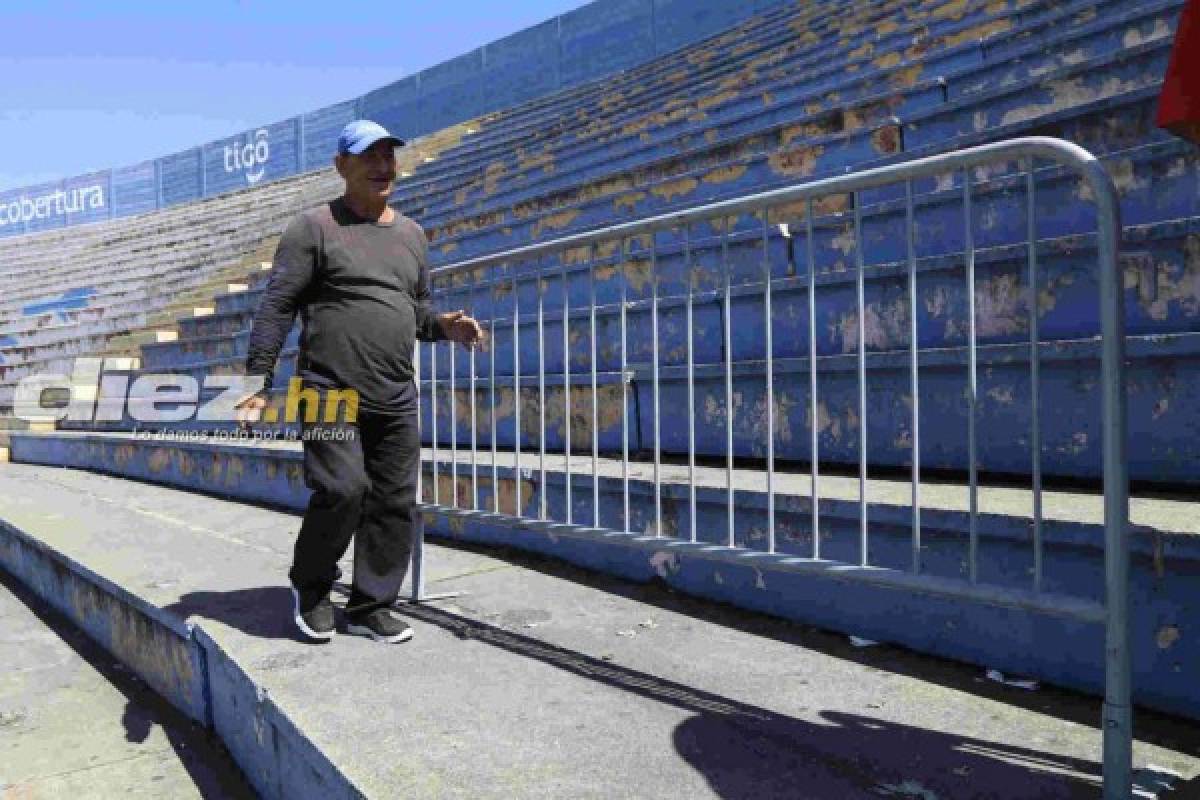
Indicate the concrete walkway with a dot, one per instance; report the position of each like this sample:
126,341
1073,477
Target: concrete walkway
74,723
544,681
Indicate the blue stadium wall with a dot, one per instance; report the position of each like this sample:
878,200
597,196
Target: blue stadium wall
598,39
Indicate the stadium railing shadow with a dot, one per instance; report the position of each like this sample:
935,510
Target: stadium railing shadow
745,751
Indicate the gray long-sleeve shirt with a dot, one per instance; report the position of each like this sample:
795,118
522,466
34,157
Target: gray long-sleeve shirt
362,291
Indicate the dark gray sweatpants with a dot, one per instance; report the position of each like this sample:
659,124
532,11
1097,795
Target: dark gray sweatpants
364,482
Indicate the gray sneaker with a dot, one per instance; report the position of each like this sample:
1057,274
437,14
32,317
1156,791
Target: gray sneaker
380,625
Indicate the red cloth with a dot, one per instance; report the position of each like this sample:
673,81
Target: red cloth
1179,103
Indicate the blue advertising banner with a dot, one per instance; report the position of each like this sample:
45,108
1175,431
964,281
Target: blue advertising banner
179,176
521,67
320,133
602,38
134,189
88,198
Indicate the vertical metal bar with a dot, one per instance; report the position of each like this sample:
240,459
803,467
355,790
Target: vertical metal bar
595,393
691,385
658,522
453,432
624,393
860,285
492,388
770,348
474,418
1035,432
812,379
1118,712
913,381
730,534
541,326
566,323
417,560
433,409
516,395
972,382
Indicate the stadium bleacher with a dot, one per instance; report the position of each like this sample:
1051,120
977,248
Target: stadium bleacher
905,81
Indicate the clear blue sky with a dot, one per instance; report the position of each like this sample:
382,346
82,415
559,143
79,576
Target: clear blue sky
103,83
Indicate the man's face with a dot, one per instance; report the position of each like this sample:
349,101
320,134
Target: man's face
372,172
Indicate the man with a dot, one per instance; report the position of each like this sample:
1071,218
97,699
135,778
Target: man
356,271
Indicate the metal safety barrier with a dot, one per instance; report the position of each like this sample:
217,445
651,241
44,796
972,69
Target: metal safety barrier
502,275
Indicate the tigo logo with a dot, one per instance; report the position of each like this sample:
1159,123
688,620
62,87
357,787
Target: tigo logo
250,158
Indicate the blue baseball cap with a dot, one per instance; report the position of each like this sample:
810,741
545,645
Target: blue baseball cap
361,134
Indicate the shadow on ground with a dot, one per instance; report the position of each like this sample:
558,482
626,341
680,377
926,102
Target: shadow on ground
745,751
1152,727
263,612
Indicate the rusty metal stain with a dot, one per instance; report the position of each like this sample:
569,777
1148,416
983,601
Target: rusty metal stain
506,493
865,51
448,247
1166,636
637,273
612,101
698,58
799,162
827,424
1003,395
886,140
885,326
555,222
954,10
158,459
1000,306
888,60
142,645
677,76
725,174
977,32
888,26
215,468
628,202
1070,92
676,188
492,176
907,77
738,80
854,118
460,197
1173,286
124,454
787,212
467,225
544,161
1048,294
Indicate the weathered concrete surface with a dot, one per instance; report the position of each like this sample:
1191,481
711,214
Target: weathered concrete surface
75,723
546,682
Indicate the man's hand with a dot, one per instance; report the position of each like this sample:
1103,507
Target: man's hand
249,409
460,328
